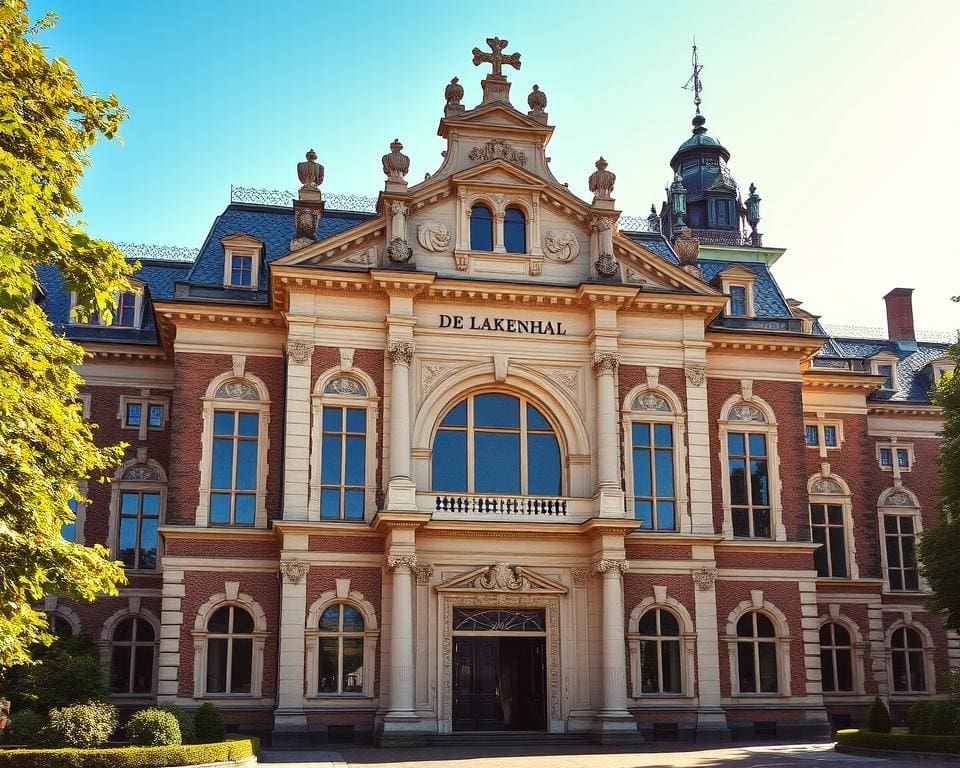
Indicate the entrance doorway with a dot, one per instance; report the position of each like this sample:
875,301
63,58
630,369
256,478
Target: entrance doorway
499,683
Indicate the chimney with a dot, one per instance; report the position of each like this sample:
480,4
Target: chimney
900,317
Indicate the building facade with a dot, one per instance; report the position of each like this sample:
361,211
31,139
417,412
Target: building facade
492,457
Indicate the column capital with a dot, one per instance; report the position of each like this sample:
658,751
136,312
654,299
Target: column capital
294,570
607,564
402,563
696,374
299,350
606,362
423,573
705,578
401,351
582,576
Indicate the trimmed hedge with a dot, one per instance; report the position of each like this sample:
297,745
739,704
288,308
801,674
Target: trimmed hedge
153,728
130,757
208,723
899,742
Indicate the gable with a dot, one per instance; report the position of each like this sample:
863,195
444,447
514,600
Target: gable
502,577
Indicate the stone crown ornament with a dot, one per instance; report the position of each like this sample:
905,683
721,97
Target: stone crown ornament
537,101
310,172
395,163
601,181
453,93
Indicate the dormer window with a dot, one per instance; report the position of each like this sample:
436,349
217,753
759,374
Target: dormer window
241,269
737,282
885,365
738,301
481,228
941,367
127,312
515,231
241,261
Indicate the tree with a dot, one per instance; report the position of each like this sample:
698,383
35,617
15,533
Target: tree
47,125
939,547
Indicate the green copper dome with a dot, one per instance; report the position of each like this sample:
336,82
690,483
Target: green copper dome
699,140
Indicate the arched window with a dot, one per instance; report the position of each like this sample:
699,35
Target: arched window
836,658
60,625
481,228
340,652
496,443
900,524
660,660
757,654
908,659
514,231
230,651
830,523
131,657
653,462
137,501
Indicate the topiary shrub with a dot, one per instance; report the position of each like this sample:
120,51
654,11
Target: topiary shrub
188,730
153,728
209,724
878,719
943,719
82,725
918,717
25,727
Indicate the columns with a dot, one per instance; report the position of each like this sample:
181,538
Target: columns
613,724
608,444
289,716
401,725
711,717
401,492
296,465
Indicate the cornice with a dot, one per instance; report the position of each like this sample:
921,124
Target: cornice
225,533
766,341
106,351
325,528
830,379
904,409
767,547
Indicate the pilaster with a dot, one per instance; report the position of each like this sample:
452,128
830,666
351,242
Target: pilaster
296,462
171,627
711,717
289,717
698,449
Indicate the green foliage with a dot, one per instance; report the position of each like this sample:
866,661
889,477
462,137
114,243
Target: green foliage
130,757
82,725
878,718
918,717
188,730
209,723
939,546
70,672
900,742
153,728
47,125
943,719
25,727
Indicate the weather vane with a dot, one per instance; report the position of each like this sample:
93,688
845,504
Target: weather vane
694,83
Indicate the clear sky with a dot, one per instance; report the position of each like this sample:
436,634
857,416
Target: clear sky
843,113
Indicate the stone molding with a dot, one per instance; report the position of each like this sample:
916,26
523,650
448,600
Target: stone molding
423,573
582,576
294,570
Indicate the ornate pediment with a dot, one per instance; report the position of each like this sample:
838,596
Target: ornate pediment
502,577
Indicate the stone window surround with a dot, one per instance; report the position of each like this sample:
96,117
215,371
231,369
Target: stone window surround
105,644
135,287
783,638
857,648
929,660
212,403
820,421
738,277
118,486
230,596
941,366
498,204
371,637
145,400
688,643
52,604
893,444
370,402
911,511
845,500
885,358
80,514
768,428
678,419
241,245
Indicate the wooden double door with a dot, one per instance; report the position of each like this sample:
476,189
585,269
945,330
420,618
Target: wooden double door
499,683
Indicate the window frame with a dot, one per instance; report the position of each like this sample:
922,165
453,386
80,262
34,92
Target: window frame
687,637
79,513
856,649
241,245
341,635
927,650
884,359
834,490
740,277
371,636
109,632
493,226
145,400
895,468
140,475
523,220
821,424
135,287
230,597
899,502
781,641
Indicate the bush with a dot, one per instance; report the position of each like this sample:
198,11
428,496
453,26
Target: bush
188,731
82,725
918,717
898,742
878,719
209,724
153,728
130,757
70,672
25,727
943,719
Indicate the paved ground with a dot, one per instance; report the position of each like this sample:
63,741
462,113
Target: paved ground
578,756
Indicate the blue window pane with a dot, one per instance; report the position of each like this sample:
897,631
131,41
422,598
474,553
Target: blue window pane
150,506
222,464
758,482
333,419
155,416
248,424
495,410
758,445
481,228
735,444
133,414
456,416
449,461
666,516
738,300
330,503
128,503
243,514
664,468
356,420
811,434
738,481
643,511
330,619
642,482
514,231
148,544
127,541
663,435
885,457
543,465
330,464
536,420
353,505
68,531
496,462
641,434
246,465
352,620
223,422
356,461
220,508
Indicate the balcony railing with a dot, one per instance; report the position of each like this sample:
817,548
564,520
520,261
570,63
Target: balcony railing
503,505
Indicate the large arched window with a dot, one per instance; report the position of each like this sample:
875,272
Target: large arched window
340,652
514,231
660,660
230,651
496,443
836,658
757,654
137,501
900,524
654,464
908,661
481,228
132,656
830,527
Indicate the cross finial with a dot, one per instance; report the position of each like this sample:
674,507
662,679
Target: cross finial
694,84
497,58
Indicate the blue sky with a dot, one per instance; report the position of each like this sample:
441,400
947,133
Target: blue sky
841,113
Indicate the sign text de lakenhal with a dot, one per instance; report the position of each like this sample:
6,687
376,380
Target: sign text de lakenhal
504,325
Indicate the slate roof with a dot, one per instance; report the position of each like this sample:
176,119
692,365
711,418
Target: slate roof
768,301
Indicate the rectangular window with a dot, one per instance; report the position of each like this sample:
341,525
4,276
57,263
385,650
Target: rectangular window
812,435
886,457
125,313
900,541
738,301
241,270
134,414
343,463
233,477
155,416
887,371
827,528
137,539
830,436
68,531
654,487
903,458
749,484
